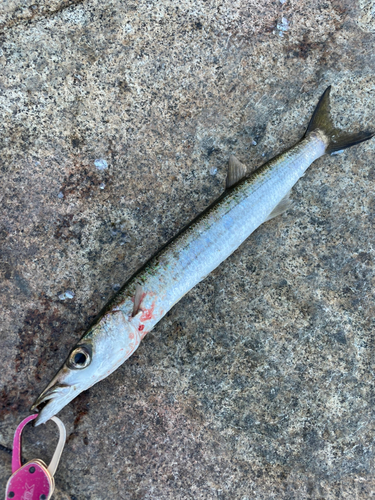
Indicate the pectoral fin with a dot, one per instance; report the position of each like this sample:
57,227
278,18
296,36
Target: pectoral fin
236,171
137,300
282,207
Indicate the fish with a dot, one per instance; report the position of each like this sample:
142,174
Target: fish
248,202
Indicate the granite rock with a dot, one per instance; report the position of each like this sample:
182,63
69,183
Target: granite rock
117,122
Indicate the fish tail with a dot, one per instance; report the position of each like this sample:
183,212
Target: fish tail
337,139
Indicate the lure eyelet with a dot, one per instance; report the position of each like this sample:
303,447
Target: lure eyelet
80,357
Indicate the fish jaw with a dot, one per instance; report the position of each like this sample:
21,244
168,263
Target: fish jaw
57,395
63,388
105,351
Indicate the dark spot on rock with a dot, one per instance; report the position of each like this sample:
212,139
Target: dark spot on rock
255,133
312,439
371,174
364,257
5,270
294,402
304,48
75,142
3,233
210,151
248,422
82,181
85,440
271,430
340,337
251,267
198,25
6,450
208,146
192,412
22,284
63,226
123,86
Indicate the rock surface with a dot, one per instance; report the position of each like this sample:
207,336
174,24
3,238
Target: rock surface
118,119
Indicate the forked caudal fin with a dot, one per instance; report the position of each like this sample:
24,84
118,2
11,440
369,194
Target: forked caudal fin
338,139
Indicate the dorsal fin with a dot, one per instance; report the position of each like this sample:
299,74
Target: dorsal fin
236,171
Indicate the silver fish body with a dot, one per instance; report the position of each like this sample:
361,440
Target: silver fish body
187,260
214,236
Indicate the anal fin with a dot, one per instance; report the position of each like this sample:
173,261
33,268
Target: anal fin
282,207
236,171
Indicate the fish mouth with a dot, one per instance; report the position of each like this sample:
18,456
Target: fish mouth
55,396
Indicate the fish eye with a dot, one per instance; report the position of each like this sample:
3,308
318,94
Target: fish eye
80,357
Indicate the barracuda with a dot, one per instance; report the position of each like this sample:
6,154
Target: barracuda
189,258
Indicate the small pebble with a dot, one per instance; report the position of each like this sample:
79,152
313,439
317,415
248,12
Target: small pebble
102,185
60,195
213,171
283,26
116,287
67,295
101,164
128,28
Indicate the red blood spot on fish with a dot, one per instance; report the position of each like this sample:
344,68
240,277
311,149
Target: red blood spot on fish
147,314
140,328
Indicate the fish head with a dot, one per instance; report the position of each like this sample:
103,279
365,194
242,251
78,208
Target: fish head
72,378
101,351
